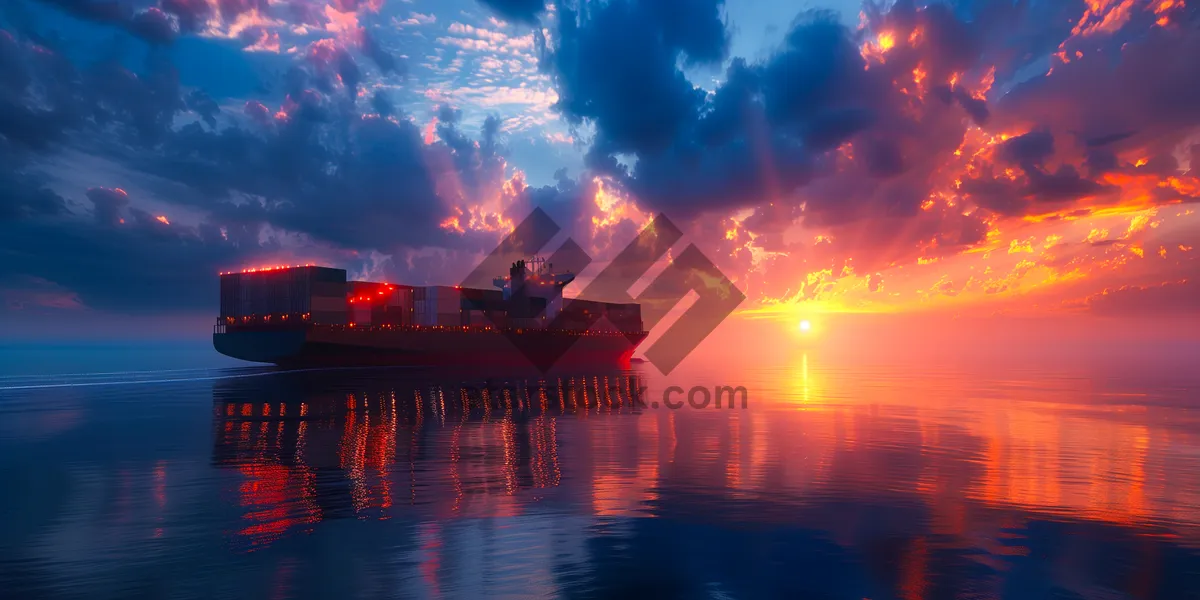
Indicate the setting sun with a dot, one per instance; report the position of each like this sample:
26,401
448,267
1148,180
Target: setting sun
805,326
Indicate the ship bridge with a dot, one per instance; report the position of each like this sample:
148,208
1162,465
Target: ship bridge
536,277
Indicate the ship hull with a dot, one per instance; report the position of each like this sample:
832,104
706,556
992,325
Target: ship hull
346,347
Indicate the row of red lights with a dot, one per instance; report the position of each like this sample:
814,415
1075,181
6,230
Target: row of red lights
267,269
272,268
381,293
266,318
389,287
368,328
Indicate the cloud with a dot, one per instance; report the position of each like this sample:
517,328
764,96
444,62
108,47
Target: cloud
151,24
418,19
523,11
479,39
633,91
875,282
1162,300
107,205
259,25
920,132
1031,149
318,172
192,14
928,132
382,104
125,269
34,293
22,196
386,62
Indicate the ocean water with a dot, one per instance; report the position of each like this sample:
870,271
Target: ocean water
177,476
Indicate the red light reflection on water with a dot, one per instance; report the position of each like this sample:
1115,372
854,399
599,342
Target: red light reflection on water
981,456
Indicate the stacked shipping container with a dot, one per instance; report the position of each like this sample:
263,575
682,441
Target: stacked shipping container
437,305
484,308
373,303
321,295
318,292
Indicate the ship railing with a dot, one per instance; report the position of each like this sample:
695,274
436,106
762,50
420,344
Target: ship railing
367,328
520,326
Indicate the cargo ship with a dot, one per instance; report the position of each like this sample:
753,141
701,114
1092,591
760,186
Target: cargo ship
306,315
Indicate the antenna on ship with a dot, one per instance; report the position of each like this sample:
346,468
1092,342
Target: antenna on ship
538,265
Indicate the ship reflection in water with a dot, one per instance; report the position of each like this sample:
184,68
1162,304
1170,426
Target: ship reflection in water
836,482
313,446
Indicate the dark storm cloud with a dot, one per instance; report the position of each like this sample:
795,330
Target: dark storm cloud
1063,185
524,11
150,24
201,104
27,131
141,106
382,104
766,131
23,196
143,266
1105,140
383,188
633,91
1000,196
816,75
161,22
386,62
154,26
1125,93
381,194
1100,160
164,22
190,13
1029,152
39,101
122,259
1030,194
976,108
1030,149
376,189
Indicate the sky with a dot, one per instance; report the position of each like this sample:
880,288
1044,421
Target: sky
972,159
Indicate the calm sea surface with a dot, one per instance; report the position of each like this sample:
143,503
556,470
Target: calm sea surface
839,479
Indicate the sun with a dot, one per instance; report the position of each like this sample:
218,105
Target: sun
805,325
